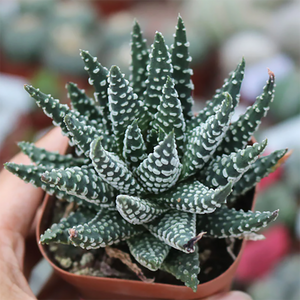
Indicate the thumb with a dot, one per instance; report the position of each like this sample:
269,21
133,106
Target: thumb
235,295
19,200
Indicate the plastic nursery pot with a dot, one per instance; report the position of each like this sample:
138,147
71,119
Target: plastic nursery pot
90,287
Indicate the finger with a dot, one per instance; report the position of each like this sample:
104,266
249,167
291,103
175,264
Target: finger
234,295
13,284
19,200
31,257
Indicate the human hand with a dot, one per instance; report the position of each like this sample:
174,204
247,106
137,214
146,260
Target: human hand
19,203
234,295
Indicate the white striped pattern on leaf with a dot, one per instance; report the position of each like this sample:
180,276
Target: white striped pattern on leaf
138,211
161,169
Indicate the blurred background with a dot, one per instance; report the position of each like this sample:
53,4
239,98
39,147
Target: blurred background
40,42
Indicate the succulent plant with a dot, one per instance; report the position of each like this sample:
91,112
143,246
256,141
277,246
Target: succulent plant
145,169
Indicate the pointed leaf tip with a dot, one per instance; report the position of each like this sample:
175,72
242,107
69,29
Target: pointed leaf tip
275,214
46,177
180,23
96,143
225,190
271,74
169,82
136,24
114,70
283,159
30,89
189,246
84,52
159,37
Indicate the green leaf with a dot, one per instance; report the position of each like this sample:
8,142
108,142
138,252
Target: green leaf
50,159
204,139
83,104
230,168
81,134
124,105
194,197
138,211
175,228
98,78
59,233
83,183
161,169
134,148
169,115
231,85
149,251
241,131
160,67
113,170
52,107
32,174
139,61
182,72
183,266
258,170
107,228
225,222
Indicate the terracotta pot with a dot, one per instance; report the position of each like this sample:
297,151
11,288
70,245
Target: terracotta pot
90,287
